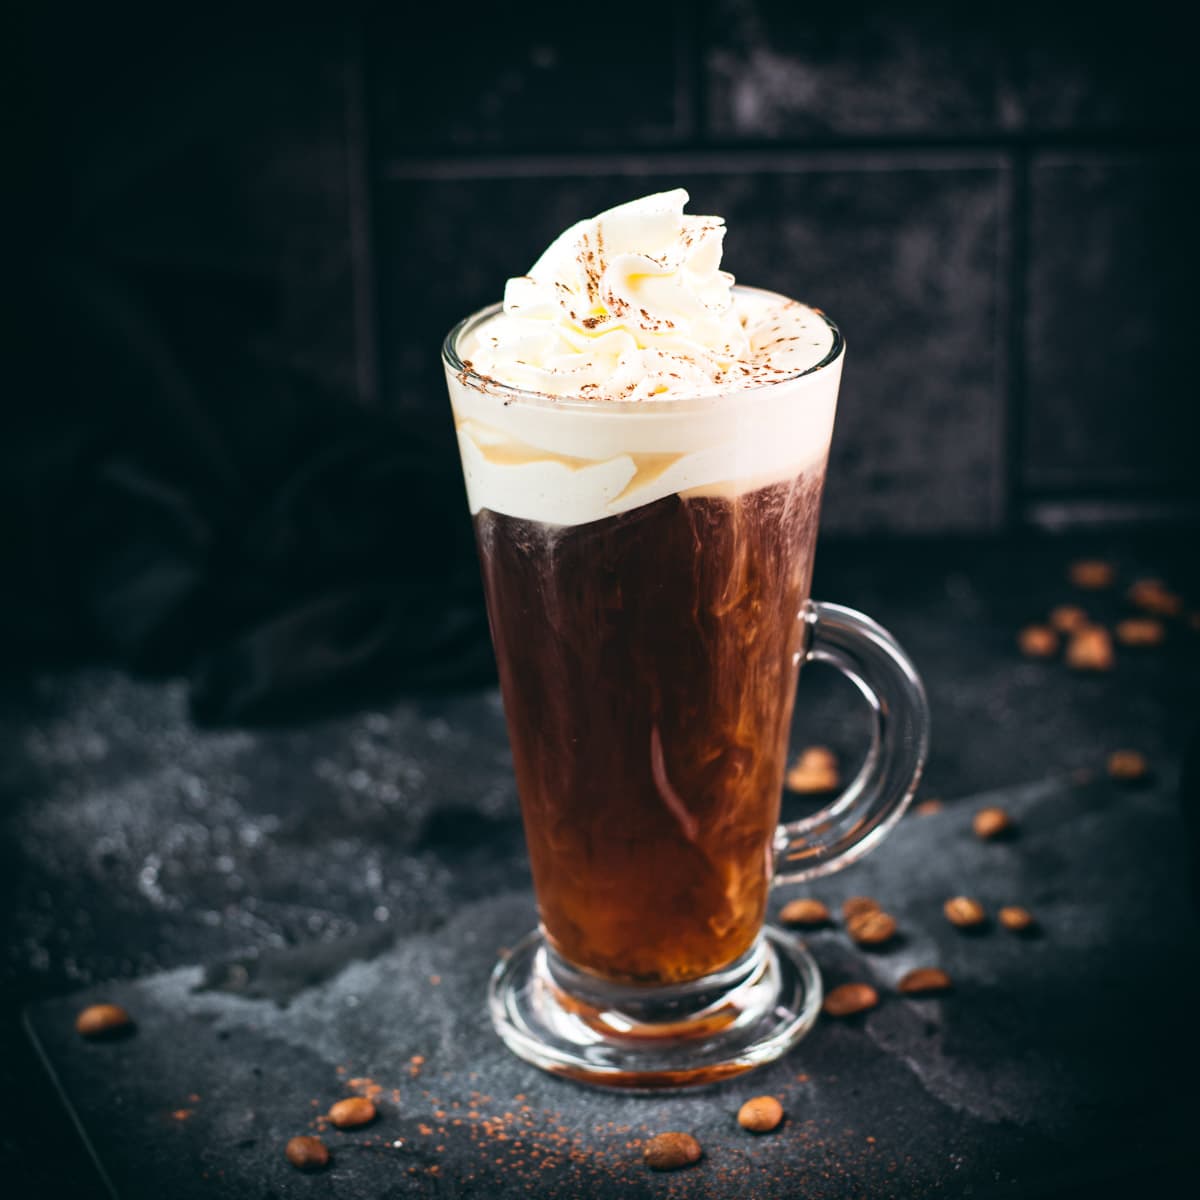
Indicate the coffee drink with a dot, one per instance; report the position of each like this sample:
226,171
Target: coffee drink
649,794
646,509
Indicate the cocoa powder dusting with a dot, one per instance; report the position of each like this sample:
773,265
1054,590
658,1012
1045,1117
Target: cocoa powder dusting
501,1141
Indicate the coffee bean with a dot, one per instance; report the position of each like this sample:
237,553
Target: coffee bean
1128,766
760,1115
849,999
859,904
1153,596
1092,573
103,1020
871,928
814,771
811,783
817,758
991,823
964,912
1140,631
1015,918
1038,641
928,807
925,981
1067,618
805,911
352,1112
1090,649
670,1151
307,1153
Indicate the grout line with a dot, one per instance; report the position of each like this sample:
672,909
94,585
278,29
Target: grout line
1016,414
715,162
572,160
358,171
1074,513
693,21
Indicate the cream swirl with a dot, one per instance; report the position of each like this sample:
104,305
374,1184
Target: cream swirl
628,305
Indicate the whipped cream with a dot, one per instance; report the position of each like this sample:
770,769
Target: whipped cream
633,305
642,373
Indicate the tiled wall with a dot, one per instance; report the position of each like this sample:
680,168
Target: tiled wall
996,202
998,210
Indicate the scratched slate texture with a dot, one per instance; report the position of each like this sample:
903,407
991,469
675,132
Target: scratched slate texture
1033,1072
315,905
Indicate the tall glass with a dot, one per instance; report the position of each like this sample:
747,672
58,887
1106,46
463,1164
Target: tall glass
649,626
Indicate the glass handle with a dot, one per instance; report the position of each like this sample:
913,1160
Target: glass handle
860,818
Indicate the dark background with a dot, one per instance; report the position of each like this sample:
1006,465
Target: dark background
235,244
245,239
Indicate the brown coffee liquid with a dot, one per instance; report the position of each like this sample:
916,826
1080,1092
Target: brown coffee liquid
648,666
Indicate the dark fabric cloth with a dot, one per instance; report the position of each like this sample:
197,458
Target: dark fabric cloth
186,508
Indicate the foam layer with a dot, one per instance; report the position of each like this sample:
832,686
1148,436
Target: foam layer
572,460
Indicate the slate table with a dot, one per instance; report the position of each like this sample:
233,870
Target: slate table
296,914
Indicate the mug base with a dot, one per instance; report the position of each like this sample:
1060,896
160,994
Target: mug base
643,1039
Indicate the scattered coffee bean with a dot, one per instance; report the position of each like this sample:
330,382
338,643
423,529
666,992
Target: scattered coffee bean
1153,596
859,904
352,1112
1067,618
760,1115
991,823
103,1020
817,758
1140,631
814,771
670,1151
925,981
964,912
1127,765
1090,649
307,1153
806,912
1019,920
871,928
928,807
849,999
1038,641
1092,573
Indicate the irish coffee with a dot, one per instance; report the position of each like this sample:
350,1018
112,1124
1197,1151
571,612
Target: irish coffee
648,663
644,446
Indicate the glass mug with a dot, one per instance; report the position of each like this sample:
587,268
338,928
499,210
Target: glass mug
648,662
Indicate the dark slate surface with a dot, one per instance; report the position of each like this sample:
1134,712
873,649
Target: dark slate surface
133,843
1107,327
998,1087
909,255
515,77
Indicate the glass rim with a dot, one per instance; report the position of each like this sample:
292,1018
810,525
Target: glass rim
510,392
